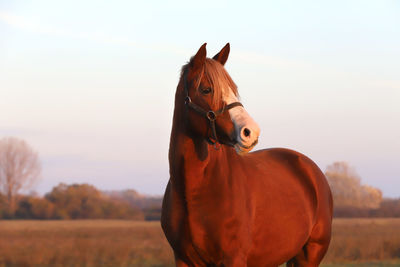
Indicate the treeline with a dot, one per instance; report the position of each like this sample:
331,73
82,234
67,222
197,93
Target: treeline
353,199
82,201
388,208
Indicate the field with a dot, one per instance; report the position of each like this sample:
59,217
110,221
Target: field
94,243
100,243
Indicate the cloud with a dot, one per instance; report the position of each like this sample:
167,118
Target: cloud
32,26
267,60
28,25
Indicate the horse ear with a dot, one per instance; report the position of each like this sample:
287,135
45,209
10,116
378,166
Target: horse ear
222,56
197,61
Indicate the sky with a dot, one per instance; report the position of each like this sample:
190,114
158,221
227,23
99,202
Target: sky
90,84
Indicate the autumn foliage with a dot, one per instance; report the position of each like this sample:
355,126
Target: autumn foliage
76,201
347,189
84,201
353,199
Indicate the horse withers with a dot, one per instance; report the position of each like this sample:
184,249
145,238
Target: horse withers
224,206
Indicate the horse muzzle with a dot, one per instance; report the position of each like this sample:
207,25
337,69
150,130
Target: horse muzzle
247,132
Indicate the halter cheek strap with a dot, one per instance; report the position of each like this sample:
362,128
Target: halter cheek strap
210,115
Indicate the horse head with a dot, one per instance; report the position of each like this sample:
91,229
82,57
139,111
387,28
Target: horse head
212,100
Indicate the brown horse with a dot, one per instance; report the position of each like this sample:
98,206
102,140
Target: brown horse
224,206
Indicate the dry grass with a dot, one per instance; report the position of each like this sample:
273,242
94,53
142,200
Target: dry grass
365,240
83,243
355,242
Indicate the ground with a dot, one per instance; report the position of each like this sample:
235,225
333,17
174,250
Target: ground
112,243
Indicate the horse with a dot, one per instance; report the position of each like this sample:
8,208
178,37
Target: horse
224,206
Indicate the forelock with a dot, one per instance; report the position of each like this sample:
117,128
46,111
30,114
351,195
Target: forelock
219,80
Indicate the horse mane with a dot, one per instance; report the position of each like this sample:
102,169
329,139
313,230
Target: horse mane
218,78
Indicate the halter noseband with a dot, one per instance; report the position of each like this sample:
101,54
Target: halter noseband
210,115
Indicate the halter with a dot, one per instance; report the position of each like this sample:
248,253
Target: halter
210,115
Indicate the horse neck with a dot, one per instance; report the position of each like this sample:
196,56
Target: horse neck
190,155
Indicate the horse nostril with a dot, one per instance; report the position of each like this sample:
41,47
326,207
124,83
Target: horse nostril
246,132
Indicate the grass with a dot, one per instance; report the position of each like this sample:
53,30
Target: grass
367,240
83,243
109,243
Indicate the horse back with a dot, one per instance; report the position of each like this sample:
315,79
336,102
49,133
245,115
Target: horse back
290,195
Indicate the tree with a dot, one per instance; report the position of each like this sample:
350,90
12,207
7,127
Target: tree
347,189
19,168
84,201
31,207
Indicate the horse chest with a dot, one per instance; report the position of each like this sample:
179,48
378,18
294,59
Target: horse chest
218,224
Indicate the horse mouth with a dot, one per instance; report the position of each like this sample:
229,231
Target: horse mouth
243,149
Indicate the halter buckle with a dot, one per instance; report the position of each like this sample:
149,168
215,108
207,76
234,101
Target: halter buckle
187,100
211,115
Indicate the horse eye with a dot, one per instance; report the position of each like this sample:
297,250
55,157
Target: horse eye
206,91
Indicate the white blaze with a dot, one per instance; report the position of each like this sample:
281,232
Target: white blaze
242,120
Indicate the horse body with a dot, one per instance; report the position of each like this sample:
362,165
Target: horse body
258,209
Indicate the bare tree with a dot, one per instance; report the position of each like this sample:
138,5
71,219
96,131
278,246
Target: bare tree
19,168
347,189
